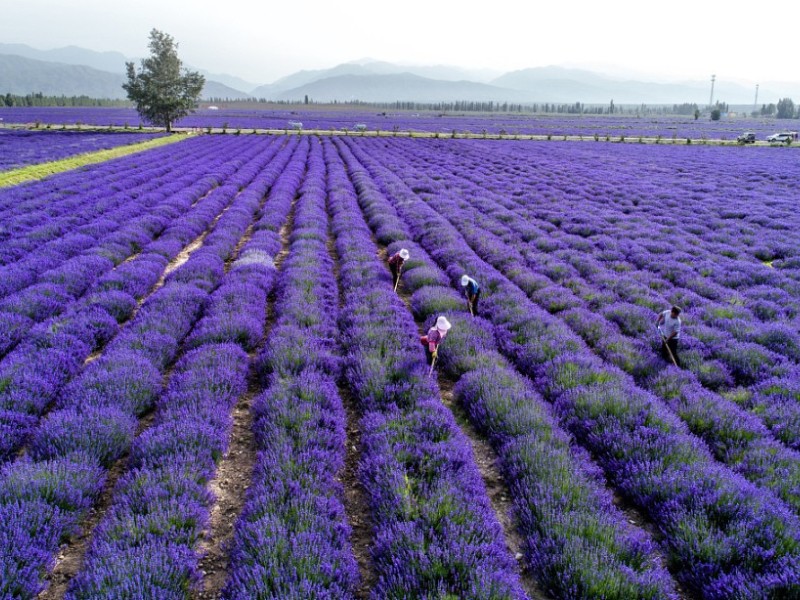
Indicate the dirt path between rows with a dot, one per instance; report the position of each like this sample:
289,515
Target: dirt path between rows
70,558
235,471
486,460
72,555
233,478
355,500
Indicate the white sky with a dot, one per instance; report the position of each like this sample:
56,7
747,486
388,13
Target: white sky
264,40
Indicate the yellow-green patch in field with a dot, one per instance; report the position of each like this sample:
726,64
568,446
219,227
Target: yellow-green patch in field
40,171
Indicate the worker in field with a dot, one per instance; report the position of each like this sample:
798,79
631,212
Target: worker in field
396,264
669,326
436,335
473,292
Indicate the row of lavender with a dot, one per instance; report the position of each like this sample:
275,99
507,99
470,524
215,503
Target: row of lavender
48,491
576,543
611,266
728,317
40,215
144,544
54,350
737,438
446,122
712,265
710,223
724,537
21,147
145,547
292,538
434,529
369,306
49,279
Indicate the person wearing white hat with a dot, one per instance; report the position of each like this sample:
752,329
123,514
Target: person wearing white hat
473,291
396,264
436,335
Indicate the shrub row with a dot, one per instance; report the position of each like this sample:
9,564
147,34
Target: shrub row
435,530
725,537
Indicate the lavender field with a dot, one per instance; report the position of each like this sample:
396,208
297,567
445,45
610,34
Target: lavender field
20,147
629,126
210,389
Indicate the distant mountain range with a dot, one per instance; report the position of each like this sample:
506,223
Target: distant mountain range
78,71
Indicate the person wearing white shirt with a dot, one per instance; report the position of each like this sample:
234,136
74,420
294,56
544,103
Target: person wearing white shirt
669,324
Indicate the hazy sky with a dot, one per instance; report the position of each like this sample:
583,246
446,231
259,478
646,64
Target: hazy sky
262,41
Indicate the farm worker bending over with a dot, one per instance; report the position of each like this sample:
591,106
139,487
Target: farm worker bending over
669,325
436,335
396,264
473,291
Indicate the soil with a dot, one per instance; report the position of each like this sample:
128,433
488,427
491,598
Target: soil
636,518
485,458
355,501
233,478
185,254
93,357
235,471
71,556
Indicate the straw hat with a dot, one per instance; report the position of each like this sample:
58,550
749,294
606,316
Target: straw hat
464,280
404,254
443,324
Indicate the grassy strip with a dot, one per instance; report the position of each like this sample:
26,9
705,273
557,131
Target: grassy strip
35,172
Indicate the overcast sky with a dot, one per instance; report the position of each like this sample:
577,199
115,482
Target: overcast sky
263,41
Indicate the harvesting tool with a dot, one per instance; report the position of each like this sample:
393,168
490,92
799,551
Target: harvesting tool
664,340
397,281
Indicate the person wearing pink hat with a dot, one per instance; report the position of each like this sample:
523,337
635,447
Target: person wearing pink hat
436,335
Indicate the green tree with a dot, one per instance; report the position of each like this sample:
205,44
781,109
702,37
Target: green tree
696,113
162,90
785,109
716,113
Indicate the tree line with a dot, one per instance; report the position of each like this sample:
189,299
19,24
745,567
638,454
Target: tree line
39,99
784,109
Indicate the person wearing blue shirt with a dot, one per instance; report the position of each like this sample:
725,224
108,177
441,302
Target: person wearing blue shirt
473,291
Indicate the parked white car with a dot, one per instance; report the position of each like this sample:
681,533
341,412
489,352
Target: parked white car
784,137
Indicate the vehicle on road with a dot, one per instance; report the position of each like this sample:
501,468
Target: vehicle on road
748,137
784,137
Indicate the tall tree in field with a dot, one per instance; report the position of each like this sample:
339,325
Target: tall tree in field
162,90
785,108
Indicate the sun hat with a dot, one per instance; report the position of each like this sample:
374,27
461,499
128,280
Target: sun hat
443,324
404,254
464,280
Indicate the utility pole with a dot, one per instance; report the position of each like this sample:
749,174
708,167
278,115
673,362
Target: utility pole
755,102
711,100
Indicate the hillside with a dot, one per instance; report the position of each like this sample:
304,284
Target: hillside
20,75
400,87
77,71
